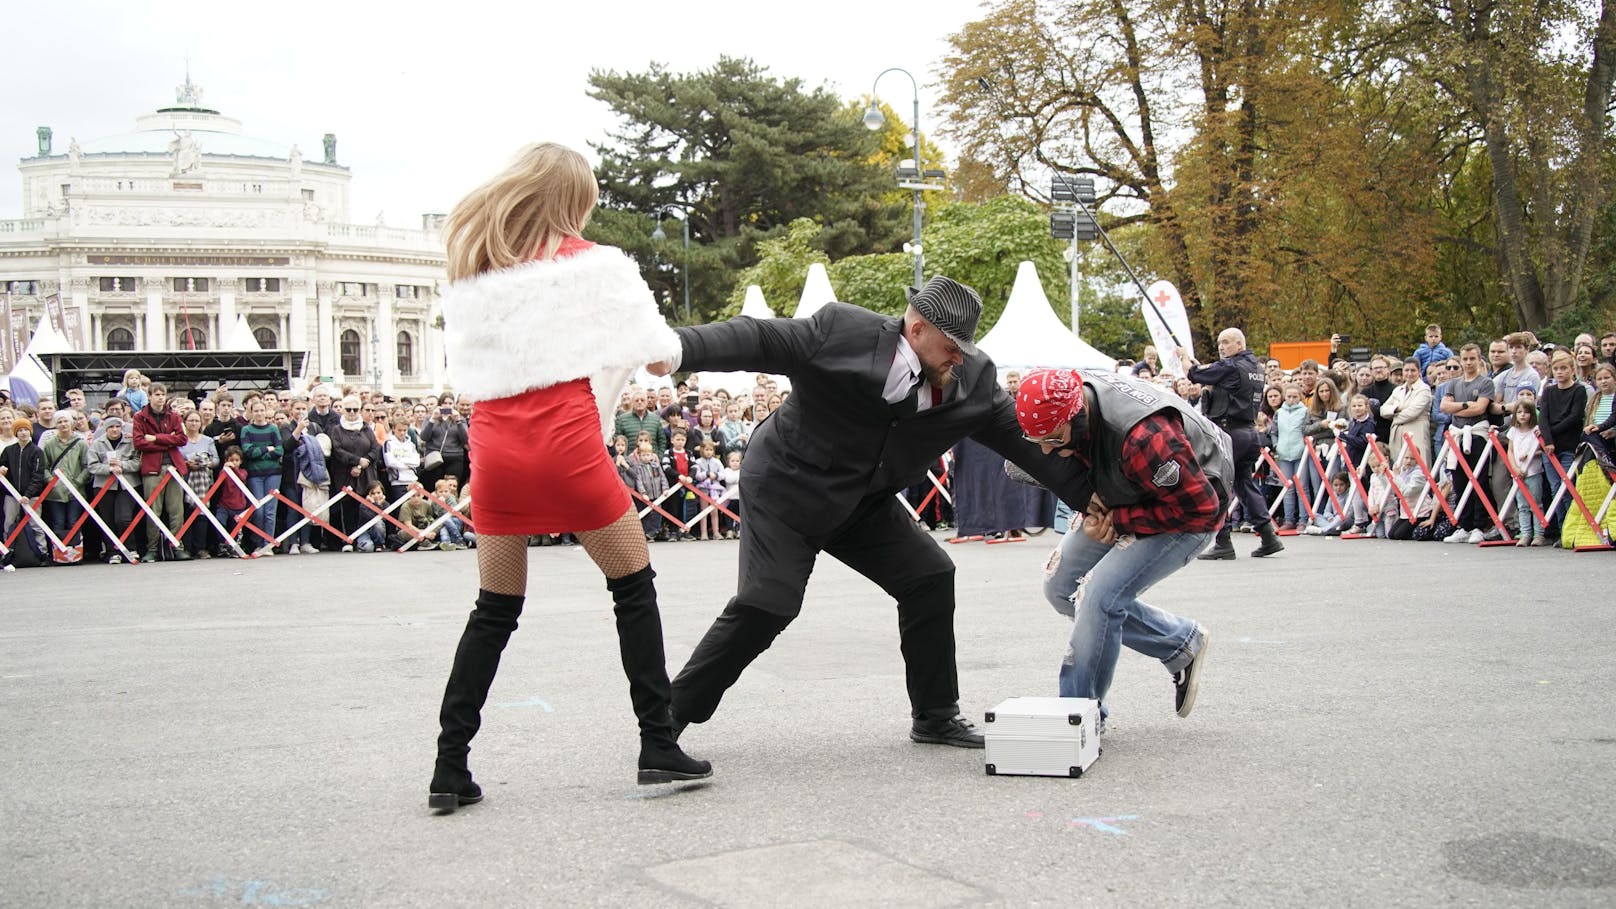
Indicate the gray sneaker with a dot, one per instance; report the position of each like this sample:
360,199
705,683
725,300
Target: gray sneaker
1187,681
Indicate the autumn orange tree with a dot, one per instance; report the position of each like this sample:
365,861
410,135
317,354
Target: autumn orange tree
1303,167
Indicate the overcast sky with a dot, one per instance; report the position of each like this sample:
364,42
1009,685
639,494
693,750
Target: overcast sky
426,99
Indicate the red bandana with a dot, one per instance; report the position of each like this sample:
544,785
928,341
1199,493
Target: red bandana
1046,399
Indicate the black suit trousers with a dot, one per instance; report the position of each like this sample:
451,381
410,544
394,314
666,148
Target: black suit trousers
880,541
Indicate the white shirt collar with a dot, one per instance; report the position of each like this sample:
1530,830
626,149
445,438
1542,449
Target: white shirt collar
904,374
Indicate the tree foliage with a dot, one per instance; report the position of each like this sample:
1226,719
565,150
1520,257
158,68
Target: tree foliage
1302,167
742,154
981,246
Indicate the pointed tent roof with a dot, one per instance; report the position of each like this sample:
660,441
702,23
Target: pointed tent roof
754,305
47,340
1029,334
30,370
240,337
816,291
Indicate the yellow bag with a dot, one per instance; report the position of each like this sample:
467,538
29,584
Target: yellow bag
1593,487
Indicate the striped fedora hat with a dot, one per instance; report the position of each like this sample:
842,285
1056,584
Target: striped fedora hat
951,307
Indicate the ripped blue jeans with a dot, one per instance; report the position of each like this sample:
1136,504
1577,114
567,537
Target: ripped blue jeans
1099,587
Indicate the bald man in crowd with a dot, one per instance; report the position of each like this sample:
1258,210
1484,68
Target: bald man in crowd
1231,393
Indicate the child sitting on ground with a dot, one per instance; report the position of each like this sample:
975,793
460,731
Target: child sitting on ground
374,537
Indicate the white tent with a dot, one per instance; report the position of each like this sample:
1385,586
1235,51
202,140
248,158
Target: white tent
1029,334
737,383
816,291
31,368
754,304
47,340
240,337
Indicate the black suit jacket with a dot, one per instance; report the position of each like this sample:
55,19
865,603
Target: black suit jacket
835,441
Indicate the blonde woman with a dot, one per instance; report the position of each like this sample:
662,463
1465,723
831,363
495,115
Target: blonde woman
543,329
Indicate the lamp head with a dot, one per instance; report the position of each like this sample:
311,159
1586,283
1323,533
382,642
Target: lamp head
657,234
874,119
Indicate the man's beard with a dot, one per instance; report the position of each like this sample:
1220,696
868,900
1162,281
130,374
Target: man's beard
940,377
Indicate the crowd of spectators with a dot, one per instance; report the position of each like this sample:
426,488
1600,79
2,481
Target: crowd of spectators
1394,421
680,449
406,457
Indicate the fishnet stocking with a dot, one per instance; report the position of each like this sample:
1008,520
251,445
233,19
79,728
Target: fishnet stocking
502,564
619,547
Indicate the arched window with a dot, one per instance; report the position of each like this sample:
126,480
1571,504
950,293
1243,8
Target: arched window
350,353
406,354
266,338
120,339
193,339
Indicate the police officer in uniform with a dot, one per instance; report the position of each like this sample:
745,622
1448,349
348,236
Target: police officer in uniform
1231,392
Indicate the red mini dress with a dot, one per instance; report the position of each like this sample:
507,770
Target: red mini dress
539,460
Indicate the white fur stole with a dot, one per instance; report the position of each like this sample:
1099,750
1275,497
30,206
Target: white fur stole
588,315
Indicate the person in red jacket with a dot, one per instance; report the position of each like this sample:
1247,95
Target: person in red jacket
159,433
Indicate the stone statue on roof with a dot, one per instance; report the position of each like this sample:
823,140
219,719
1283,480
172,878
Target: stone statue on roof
187,153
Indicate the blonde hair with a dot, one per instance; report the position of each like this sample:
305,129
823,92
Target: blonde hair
523,213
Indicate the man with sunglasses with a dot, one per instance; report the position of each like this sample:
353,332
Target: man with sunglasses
1160,475
875,401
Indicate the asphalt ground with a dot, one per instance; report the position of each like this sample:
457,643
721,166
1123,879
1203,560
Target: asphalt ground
1380,724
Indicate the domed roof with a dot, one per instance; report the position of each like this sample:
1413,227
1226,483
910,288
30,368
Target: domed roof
213,133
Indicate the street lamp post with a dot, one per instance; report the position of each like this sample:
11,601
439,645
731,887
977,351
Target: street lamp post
684,269
874,120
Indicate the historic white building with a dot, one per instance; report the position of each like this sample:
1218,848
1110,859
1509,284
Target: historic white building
165,237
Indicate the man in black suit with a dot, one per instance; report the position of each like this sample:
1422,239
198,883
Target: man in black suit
874,402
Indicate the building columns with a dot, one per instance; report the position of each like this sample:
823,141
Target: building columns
227,313
327,363
156,329
386,340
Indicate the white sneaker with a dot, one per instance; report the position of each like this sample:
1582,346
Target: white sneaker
1475,537
265,552
347,547
1314,530
1458,536
290,550
310,549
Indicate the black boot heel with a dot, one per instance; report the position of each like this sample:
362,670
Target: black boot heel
447,802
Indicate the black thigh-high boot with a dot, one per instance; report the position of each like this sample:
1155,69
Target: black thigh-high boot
476,660
639,638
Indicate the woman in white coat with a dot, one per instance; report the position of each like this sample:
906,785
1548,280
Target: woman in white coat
1409,409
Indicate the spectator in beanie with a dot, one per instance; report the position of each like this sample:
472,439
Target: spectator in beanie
111,456
65,453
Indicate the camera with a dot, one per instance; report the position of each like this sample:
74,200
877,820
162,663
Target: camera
446,410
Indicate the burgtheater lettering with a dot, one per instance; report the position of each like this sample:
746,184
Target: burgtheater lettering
218,261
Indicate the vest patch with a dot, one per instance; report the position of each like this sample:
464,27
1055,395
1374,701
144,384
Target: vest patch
1166,475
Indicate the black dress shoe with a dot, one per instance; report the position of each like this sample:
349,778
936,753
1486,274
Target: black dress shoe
956,731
